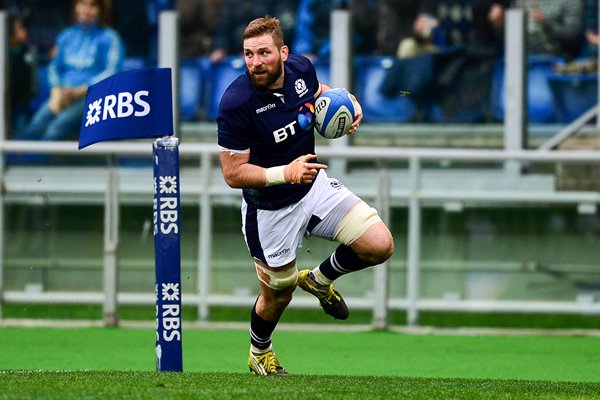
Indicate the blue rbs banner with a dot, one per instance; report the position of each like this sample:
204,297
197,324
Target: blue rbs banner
130,105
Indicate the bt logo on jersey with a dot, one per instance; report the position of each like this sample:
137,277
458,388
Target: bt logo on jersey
283,133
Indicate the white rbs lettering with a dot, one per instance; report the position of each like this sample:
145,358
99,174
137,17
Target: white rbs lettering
109,103
125,107
125,104
283,133
171,324
140,102
168,318
154,216
168,215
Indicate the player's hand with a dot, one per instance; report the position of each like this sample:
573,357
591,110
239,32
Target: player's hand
301,170
358,115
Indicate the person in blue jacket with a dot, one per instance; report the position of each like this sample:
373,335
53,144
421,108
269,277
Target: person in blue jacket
313,26
86,52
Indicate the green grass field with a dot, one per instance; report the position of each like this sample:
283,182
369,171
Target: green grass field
93,363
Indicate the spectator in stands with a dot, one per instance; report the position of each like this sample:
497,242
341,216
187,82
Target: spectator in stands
453,23
365,25
590,27
86,52
130,19
234,16
446,64
592,38
198,21
153,10
44,19
488,24
555,27
22,72
395,23
587,62
313,26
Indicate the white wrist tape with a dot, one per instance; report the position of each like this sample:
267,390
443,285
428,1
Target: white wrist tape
275,176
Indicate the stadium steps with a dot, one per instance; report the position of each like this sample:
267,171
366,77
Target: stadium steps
68,185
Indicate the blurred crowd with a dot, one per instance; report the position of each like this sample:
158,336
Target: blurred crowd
454,41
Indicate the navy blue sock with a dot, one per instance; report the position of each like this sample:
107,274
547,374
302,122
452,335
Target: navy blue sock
343,261
261,330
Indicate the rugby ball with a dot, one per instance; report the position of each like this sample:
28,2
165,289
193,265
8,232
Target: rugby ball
334,113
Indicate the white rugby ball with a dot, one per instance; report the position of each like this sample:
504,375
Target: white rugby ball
334,113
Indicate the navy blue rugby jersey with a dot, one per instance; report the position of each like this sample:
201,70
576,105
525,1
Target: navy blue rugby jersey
275,131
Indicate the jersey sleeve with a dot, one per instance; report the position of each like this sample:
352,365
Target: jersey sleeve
232,124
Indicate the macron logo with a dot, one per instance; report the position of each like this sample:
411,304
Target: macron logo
265,108
122,105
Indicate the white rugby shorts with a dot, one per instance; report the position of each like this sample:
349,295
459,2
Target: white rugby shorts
273,236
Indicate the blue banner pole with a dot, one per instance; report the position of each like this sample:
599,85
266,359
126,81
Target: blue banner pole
167,249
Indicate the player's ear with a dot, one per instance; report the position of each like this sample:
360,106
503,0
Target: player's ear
285,51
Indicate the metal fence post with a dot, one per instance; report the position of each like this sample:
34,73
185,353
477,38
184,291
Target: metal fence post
168,56
381,273
3,124
341,70
414,243
111,245
205,238
515,86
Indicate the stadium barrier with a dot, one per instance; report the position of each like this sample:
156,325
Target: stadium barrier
411,187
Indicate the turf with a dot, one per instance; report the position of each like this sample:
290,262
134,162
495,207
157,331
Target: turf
150,385
547,358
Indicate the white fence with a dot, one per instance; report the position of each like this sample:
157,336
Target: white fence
385,184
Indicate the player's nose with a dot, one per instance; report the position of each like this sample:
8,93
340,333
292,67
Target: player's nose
256,61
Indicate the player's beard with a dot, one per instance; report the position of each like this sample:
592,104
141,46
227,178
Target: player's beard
270,77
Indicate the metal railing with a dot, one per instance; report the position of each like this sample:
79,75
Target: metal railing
387,188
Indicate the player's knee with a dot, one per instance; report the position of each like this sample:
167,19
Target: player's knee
278,280
379,247
384,249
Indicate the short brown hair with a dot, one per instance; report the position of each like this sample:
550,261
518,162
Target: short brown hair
266,25
105,6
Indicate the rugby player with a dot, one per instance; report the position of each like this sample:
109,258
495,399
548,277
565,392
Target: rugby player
267,149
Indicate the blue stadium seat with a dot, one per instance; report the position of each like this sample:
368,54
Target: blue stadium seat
191,88
540,99
540,104
220,76
497,94
573,94
369,75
